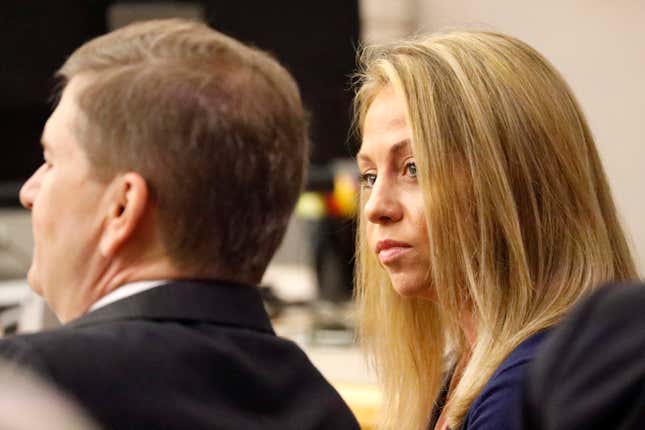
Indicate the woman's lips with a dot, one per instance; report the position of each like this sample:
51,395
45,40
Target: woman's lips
390,250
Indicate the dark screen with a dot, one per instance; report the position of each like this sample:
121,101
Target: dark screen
35,39
315,40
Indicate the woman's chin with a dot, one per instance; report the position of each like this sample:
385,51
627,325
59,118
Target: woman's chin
419,290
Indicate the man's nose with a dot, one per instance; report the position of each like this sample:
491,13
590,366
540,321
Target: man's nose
383,205
29,189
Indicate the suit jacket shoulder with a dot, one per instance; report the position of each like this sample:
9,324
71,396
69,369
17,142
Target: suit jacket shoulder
591,372
191,354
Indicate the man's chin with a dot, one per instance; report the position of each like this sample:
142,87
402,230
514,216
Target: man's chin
32,280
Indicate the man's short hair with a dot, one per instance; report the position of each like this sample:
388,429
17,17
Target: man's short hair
216,128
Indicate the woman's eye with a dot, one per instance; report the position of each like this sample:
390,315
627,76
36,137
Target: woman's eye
411,169
367,180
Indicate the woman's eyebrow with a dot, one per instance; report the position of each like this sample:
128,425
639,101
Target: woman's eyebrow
362,157
400,146
395,149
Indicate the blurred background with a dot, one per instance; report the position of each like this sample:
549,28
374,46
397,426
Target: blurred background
597,45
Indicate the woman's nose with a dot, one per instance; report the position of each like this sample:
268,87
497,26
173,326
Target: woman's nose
383,205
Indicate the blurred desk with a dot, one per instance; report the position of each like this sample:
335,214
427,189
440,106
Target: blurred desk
13,292
364,400
344,366
25,311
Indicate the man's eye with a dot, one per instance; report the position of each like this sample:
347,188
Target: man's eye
367,180
411,169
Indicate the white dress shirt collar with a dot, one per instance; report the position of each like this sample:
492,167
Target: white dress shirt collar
126,290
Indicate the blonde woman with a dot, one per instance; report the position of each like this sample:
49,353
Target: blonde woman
485,215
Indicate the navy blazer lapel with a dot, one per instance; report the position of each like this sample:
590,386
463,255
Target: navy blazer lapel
213,301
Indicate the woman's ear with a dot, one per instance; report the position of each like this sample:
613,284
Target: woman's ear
126,209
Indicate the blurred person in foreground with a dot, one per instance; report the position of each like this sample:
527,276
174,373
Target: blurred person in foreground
590,374
172,164
485,215
28,403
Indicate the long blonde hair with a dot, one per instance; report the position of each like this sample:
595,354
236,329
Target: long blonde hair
520,218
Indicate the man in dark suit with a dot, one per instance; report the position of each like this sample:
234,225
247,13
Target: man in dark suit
172,164
590,373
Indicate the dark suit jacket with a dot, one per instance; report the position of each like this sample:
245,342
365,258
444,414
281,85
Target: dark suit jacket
186,355
590,373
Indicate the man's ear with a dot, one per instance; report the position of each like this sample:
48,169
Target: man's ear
126,209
